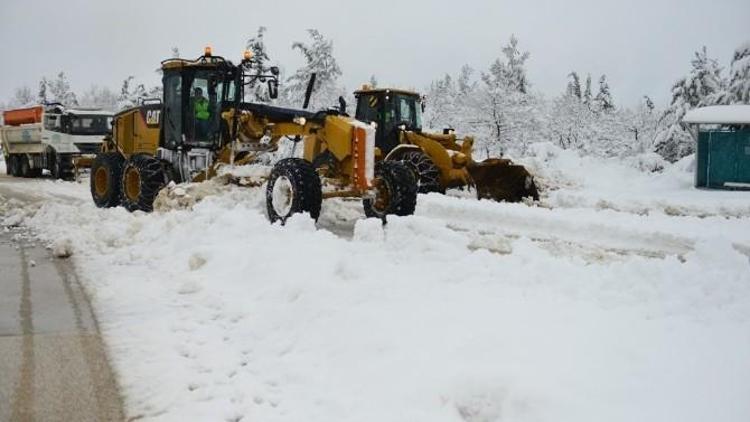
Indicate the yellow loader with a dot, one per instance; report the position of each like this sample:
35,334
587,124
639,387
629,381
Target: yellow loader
440,161
202,123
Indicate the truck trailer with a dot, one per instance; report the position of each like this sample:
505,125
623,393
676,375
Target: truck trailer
52,137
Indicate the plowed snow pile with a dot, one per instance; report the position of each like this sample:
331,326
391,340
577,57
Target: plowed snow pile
468,311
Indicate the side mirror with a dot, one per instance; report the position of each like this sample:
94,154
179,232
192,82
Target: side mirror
342,105
275,70
273,89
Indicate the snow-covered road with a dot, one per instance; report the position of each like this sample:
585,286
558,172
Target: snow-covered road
611,301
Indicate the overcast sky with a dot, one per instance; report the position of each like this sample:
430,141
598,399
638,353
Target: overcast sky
642,45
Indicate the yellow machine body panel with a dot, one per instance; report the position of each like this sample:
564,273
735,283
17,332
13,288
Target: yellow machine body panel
133,135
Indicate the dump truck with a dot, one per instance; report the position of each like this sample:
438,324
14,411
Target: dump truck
439,160
202,124
52,137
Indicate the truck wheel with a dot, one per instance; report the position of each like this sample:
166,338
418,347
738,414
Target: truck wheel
106,172
396,191
427,173
12,165
24,170
142,178
293,187
56,168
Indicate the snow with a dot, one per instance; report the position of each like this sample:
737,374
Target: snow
720,114
624,296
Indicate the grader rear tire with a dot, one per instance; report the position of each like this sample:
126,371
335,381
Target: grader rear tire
396,187
142,178
293,188
106,172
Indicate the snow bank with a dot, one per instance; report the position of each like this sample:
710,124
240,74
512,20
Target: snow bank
642,184
468,311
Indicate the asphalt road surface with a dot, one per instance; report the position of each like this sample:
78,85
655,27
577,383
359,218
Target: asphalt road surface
53,363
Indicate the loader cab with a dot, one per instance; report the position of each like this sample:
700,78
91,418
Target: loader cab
392,111
195,93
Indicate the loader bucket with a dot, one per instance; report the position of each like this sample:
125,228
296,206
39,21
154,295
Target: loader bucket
501,180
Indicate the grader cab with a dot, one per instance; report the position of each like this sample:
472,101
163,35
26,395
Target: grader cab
439,161
202,124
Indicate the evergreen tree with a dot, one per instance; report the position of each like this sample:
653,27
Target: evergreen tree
739,77
175,53
511,72
574,85
603,98
587,93
648,103
319,59
373,81
257,91
704,86
42,93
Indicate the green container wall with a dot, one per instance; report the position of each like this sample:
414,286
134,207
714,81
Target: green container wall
722,156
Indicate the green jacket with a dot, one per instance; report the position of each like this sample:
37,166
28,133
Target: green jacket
201,109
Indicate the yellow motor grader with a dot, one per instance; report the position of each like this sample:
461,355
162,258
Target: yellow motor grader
202,124
440,161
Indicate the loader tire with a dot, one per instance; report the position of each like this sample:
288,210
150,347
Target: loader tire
106,172
425,170
396,191
293,187
143,177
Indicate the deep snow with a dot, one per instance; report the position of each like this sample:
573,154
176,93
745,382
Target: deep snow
625,296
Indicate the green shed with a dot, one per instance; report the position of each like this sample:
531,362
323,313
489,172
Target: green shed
723,150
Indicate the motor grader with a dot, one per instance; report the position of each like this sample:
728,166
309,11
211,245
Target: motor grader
166,140
440,161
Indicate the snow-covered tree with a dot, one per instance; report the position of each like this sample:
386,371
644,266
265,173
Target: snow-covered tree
22,97
175,53
42,92
319,59
587,95
131,93
257,91
603,100
503,105
574,85
100,97
739,75
373,81
703,86
58,90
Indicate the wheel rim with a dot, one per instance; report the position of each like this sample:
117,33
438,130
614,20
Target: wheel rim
100,181
382,196
132,184
282,196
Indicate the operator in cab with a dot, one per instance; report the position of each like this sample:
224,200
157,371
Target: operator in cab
200,108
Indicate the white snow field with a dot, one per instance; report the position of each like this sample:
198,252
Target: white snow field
625,296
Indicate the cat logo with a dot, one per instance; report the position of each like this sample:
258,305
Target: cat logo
152,117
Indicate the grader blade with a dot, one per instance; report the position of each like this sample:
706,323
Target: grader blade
501,180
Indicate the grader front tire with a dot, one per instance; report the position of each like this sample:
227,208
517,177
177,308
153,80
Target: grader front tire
396,191
293,187
142,178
